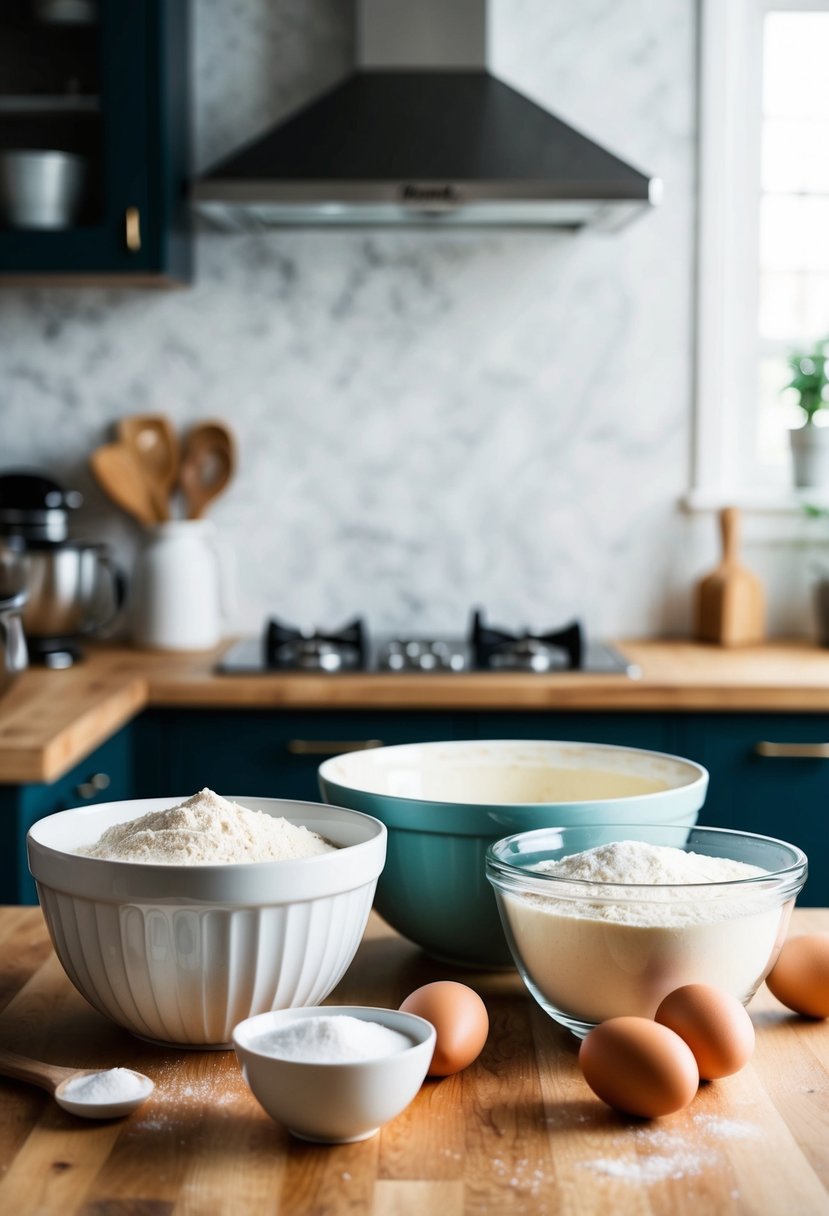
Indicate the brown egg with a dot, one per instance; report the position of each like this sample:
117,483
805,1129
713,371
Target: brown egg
714,1025
639,1067
460,1020
800,977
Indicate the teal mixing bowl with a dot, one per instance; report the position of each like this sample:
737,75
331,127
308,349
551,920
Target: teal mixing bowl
444,803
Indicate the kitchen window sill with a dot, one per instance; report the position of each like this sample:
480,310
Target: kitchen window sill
770,515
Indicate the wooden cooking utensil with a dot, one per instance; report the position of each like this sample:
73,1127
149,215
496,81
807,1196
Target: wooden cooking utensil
207,464
155,445
730,604
54,1078
118,473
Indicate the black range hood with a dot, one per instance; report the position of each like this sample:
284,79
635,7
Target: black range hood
437,145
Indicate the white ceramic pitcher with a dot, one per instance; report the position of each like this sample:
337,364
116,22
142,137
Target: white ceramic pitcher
178,598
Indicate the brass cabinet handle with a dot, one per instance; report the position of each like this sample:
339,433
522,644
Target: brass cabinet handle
330,747
132,229
807,751
93,785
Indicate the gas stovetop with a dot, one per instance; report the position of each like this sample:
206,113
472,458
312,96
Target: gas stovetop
483,648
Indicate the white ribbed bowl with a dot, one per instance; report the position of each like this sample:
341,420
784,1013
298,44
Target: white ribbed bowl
181,954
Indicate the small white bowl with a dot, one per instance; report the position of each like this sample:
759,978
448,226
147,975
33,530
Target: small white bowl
180,954
335,1103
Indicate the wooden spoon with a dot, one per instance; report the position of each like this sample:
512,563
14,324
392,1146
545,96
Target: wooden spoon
207,465
55,1080
153,441
120,476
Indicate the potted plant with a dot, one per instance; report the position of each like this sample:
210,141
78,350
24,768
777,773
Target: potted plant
810,442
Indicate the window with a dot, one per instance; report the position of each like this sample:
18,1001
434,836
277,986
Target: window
764,238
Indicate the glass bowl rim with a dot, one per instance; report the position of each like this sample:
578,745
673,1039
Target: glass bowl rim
497,867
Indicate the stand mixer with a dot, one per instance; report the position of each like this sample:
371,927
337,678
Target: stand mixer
73,586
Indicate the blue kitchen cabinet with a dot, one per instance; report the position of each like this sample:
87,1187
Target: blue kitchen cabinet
265,753
106,81
106,775
786,796
276,753
654,731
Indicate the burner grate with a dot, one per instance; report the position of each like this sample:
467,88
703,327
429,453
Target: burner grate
560,650
294,649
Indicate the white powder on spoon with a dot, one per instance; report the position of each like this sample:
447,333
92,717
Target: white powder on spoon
207,830
334,1039
113,1085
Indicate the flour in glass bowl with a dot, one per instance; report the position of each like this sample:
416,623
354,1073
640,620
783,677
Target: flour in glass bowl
664,869
627,922
207,830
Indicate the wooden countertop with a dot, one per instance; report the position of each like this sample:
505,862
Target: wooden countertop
51,719
517,1132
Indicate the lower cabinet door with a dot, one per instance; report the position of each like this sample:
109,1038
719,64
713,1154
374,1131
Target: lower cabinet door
768,774
104,776
267,754
653,731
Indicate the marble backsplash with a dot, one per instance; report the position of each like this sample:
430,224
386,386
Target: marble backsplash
426,421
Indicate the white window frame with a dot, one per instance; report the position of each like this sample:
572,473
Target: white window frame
730,118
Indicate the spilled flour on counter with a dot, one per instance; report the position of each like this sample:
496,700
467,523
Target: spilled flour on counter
206,830
660,1153
649,1169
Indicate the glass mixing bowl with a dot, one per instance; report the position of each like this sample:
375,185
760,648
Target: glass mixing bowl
589,950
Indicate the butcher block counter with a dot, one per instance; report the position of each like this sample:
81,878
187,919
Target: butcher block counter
518,1131
51,719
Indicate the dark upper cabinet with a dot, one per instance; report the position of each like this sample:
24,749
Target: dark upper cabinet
104,84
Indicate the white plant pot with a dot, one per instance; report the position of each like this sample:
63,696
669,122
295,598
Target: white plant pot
810,455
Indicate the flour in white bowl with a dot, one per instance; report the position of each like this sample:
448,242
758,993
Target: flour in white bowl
207,830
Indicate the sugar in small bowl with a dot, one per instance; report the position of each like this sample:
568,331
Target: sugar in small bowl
334,1074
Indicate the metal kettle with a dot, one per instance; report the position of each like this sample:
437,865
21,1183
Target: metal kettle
74,587
13,652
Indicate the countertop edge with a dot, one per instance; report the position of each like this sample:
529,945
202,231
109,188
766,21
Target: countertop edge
50,720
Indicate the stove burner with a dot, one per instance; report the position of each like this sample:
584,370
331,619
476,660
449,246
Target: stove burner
561,650
291,648
483,648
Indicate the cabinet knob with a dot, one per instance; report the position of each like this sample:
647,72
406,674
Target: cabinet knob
93,785
806,751
330,747
132,229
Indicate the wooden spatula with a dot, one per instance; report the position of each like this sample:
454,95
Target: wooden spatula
120,476
208,463
153,441
730,604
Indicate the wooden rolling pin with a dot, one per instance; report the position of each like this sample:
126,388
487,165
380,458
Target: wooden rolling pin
730,604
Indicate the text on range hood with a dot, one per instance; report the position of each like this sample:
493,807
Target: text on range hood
409,144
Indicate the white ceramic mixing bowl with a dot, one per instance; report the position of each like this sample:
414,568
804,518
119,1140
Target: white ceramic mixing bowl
181,954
